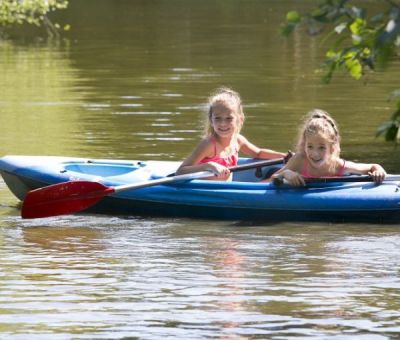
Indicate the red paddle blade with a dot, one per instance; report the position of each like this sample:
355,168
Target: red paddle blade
63,198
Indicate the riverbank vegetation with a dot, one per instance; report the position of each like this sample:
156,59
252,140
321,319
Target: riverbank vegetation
360,39
17,13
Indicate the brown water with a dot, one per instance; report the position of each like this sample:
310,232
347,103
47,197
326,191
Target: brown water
130,83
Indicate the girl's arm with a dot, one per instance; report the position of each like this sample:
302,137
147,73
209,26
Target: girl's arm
376,171
253,151
291,171
203,150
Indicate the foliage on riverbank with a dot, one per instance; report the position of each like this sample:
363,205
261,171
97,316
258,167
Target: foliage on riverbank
32,12
360,39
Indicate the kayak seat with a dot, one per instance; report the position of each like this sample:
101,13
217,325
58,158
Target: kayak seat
271,171
255,175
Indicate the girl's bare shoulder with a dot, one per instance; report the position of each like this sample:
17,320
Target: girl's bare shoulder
206,146
297,157
203,149
241,139
296,161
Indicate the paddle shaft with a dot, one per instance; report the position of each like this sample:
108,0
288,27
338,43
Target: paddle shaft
359,178
195,175
258,164
163,180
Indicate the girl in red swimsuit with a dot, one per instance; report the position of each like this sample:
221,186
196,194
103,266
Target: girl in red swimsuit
318,154
220,147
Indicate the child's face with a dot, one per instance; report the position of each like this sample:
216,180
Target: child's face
224,120
318,150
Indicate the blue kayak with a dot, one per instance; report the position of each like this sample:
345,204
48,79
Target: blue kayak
245,198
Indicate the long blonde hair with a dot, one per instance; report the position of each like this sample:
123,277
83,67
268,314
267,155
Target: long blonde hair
227,97
319,122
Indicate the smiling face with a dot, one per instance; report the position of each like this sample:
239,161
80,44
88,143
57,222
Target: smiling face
319,141
318,150
225,120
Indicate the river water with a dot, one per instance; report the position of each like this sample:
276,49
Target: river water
129,81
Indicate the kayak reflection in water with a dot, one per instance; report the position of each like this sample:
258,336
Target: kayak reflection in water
318,154
220,147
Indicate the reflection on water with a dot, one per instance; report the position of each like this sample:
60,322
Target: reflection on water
131,83
153,278
38,105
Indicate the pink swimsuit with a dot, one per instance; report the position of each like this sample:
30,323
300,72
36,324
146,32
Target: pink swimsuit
227,161
305,174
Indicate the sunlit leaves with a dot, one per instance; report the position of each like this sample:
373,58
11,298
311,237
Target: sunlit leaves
379,33
357,28
33,12
347,59
354,67
360,41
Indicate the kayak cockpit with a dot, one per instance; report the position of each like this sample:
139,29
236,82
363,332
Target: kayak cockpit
121,172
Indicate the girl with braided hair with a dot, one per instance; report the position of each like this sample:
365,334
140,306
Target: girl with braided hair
318,154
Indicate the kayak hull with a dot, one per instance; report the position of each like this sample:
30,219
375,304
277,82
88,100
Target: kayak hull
243,199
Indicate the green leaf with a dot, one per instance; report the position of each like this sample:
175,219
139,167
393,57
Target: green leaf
287,29
355,68
390,131
340,28
331,54
383,128
391,134
357,26
293,17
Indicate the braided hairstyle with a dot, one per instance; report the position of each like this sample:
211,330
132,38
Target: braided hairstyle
319,122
